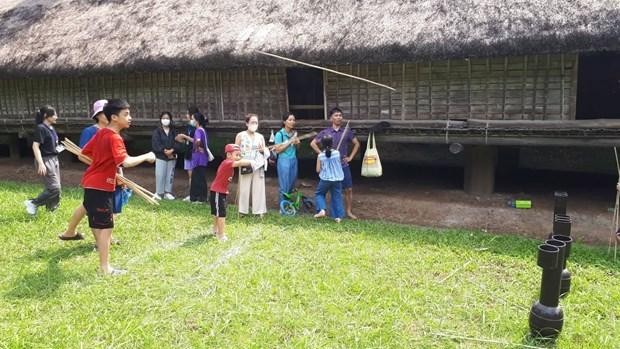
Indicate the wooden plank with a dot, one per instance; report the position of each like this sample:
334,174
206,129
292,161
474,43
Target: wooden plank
177,102
269,94
430,84
193,100
220,83
562,84
402,91
574,85
337,81
546,84
141,88
238,95
247,90
324,95
367,92
523,86
504,87
3,98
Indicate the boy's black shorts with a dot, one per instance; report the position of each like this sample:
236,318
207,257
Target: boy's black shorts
218,204
98,205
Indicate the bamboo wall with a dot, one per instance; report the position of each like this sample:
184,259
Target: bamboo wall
224,95
540,87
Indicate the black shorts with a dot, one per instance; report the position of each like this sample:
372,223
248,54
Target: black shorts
218,204
98,205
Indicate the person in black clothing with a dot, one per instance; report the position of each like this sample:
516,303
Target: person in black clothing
165,148
46,148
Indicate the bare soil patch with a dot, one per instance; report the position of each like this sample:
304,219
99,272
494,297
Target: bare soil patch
423,196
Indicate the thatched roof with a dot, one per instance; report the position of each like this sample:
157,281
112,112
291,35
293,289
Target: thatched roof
68,36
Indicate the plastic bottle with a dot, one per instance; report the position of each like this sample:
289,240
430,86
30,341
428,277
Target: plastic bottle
523,204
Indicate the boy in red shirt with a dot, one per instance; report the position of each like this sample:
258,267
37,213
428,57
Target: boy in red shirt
107,150
219,187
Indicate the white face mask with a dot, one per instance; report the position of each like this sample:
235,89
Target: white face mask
253,127
192,122
165,122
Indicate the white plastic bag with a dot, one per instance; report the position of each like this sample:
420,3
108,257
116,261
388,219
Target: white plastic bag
371,164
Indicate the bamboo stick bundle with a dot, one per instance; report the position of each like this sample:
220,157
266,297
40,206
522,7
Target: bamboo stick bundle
139,190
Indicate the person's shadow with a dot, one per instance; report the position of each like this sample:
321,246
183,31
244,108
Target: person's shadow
45,283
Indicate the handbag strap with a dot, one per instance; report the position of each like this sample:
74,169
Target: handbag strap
371,138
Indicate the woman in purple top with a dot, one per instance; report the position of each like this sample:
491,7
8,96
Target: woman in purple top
200,158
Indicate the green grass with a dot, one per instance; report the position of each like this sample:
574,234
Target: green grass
282,282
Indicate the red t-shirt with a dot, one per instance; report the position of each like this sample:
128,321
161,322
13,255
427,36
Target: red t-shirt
224,172
108,152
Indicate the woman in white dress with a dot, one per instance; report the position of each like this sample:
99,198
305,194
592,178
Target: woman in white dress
252,178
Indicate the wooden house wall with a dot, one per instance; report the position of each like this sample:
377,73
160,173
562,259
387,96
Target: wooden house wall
538,87
224,95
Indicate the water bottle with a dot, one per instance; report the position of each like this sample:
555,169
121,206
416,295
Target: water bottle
523,204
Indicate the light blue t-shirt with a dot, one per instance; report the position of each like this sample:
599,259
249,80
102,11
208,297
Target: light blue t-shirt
291,151
331,169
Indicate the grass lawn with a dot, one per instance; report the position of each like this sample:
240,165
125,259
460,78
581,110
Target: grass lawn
282,282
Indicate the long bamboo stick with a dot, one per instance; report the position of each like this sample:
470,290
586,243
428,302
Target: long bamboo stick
139,190
325,69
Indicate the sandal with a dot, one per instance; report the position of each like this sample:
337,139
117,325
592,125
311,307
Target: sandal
77,236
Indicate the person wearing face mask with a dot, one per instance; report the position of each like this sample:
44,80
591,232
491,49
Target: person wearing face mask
189,132
252,180
165,148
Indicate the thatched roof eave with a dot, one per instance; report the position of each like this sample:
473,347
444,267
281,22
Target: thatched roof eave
75,37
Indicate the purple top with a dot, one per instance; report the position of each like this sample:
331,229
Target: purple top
199,154
336,135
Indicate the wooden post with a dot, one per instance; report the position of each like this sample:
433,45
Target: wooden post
480,163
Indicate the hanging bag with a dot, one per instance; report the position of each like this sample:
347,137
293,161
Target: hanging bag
371,165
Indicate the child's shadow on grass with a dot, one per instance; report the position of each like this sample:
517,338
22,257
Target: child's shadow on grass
45,283
197,240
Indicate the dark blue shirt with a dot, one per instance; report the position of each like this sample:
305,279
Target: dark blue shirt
336,135
87,134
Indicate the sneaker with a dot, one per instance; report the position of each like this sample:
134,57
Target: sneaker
337,220
186,198
30,207
156,197
222,238
168,196
114,272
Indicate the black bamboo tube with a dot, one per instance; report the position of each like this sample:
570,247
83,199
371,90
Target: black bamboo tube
546,316
560,202
565,281
561,224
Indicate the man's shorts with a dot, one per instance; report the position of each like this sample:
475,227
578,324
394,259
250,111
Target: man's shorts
187,165
218,204
98,205
347,182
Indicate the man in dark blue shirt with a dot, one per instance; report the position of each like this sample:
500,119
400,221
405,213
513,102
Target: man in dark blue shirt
337,133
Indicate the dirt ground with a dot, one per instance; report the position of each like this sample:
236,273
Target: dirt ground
424,196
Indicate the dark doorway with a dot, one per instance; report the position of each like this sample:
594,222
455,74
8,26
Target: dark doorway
598,86
305,92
